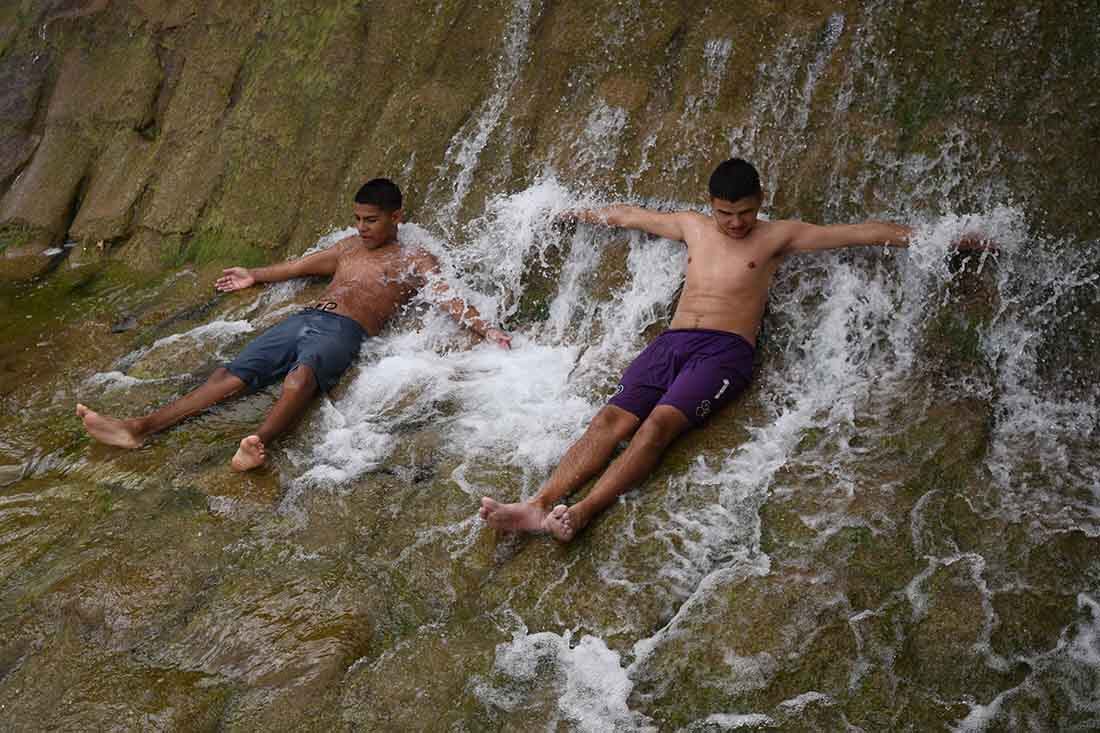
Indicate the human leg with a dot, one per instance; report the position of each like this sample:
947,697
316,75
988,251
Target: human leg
299,387
321,346
639,459
130,433
586,457
712,368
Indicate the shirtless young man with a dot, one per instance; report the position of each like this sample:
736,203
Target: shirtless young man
703,361
372,276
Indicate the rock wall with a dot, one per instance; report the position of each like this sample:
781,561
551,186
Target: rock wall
168,130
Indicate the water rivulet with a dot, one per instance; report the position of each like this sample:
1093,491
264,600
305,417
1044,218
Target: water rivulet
896,528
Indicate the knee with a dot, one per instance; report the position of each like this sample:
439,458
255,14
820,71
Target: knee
616,424
660,429
302,381
222,375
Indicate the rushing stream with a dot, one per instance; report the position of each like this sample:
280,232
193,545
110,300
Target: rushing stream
895,528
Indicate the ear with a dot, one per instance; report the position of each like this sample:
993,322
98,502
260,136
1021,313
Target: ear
397,216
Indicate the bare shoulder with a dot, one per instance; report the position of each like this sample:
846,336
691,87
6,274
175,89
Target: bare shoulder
778,233
693,224
343,246
692,218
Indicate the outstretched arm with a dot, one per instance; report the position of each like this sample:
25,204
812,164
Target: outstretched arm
661,224
318,263
803,237
466,315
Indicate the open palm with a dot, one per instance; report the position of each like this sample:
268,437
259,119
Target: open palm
234,278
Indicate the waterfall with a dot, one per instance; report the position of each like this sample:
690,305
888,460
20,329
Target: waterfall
895,526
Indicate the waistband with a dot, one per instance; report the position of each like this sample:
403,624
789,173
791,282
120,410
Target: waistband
313,310
709,332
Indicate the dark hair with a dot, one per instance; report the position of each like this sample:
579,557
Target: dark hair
734,179
380,192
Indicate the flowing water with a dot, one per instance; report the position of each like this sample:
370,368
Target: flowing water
895,528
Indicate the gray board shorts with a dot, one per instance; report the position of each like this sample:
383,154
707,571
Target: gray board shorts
325,342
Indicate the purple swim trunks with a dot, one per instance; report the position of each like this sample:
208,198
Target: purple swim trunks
696,371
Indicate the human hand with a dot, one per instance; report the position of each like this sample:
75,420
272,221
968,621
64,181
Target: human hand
975,242
499,337
563,219
582,216
234,278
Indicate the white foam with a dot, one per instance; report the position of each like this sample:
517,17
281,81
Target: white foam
116,380
796,705
1071,667
590,685
735,721
596,149
464,150
208,332
716,55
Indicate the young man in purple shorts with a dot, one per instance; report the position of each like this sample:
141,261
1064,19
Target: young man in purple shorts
703,361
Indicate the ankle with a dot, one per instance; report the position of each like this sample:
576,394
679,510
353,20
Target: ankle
580,515
542,503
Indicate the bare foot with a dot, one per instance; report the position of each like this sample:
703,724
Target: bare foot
522,516
250,455
109,430
561,523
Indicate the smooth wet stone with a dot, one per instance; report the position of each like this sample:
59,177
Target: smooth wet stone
9,474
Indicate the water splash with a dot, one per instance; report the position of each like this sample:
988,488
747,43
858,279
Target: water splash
590,686
464,151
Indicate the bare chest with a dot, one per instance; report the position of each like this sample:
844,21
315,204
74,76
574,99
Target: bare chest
723,268
373,271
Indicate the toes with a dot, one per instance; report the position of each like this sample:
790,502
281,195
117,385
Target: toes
253,444
560,524
488,508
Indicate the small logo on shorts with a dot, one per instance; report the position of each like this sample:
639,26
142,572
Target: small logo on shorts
725,385
703,409
618,390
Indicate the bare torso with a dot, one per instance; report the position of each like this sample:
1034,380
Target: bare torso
369,285
727,279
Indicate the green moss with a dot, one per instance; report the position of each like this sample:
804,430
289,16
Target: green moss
67,295
944,447
15,235
217,246
782,530
811,438
957,338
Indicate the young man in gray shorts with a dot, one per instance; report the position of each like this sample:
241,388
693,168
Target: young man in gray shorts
372,276
705,358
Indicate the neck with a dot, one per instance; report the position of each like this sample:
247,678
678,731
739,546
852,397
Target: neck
388,242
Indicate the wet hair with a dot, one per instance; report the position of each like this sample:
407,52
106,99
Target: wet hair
380,192
734,179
